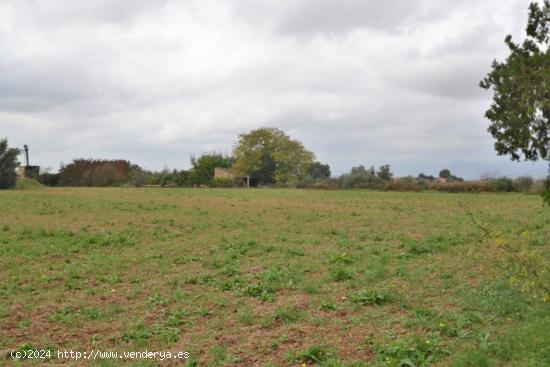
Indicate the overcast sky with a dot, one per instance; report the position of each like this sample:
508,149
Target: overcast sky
357,81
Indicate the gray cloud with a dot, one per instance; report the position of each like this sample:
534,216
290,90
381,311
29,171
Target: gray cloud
328,16
359,82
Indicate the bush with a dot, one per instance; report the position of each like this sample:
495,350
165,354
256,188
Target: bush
502,184
310,183
354,181
95,172
8,164
222,182
319,171
49,179
405,184
328,184
524,183
384,173
447,175
204,166
545,193
136,177
426,178
360,177
464,186
522,257
107,175
305,183
279,185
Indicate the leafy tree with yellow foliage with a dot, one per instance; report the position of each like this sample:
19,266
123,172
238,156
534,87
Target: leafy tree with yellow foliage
269,156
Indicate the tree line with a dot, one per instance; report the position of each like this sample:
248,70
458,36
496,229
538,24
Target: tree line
269,157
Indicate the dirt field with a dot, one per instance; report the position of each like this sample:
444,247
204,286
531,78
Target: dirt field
265,277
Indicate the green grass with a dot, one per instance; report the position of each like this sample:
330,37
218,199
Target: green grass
268,277
27,184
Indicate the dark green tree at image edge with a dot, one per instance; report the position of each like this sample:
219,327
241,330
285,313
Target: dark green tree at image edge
520,112
8,165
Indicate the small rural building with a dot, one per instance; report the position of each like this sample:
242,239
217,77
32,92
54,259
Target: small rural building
227,173
28,172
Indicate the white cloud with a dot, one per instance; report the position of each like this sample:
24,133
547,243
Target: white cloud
156,81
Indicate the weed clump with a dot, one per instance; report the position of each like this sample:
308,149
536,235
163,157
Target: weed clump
289,315
341,273
261,292
373,297
411,352
431,244
316,354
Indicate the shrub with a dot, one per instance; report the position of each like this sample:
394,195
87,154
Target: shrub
49,179
204,166
426,178
328,184
279,185
524,183
502,184
95,172
522,258
526,264
106,175
169,178
404,184
136,177
222,182
8,164
305,183
384,173
360,177
319,171
463,186
447,175
545,193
